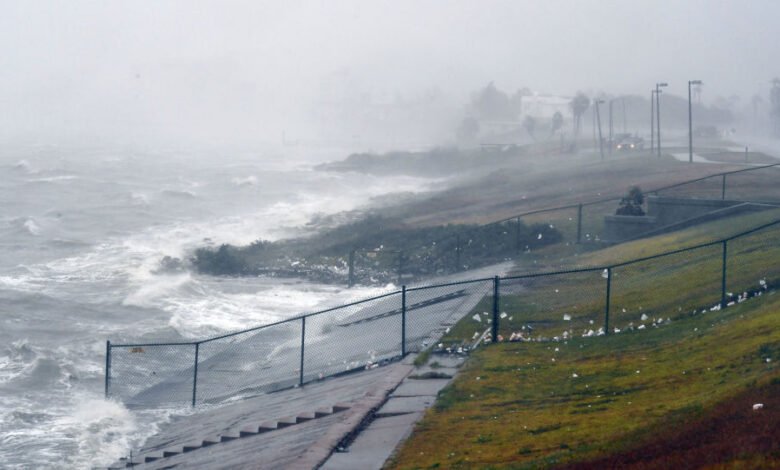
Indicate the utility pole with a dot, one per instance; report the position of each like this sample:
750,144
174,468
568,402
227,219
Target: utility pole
611,134
658,114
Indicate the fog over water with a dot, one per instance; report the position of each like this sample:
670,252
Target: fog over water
130,131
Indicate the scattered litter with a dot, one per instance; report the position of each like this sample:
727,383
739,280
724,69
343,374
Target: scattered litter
476,317
758,406
503,315
574,376
644,317
566,317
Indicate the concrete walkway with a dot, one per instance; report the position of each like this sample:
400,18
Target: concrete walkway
395,420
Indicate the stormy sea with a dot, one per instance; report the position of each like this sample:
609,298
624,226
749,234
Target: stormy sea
82,233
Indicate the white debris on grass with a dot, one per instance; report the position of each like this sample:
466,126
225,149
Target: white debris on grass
566,317
503,315
574,375
644,317
476,317
758,406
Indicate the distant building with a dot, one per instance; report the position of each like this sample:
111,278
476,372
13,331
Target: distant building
545,106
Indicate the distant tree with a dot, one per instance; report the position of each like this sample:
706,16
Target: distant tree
632,203
490,103
579,104
557,122
468,129
529,123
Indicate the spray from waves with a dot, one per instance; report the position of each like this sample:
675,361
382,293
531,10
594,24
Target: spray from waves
150,293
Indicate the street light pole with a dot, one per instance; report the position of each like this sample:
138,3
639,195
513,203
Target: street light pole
658,114
611,134
690,120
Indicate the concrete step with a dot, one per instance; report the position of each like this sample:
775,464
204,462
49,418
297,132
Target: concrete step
248,431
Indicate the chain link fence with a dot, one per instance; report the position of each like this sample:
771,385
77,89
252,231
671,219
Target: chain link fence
636,294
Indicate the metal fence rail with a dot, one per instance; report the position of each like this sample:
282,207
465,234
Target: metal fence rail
589,302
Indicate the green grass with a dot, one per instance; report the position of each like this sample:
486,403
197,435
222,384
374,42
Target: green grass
519,405
670,287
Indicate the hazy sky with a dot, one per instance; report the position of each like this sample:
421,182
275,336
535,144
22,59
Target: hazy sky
187,69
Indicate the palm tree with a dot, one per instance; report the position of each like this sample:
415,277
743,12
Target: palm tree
579,104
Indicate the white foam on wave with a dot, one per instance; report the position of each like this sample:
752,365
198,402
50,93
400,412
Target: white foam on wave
102,430
216,312
149,293
52,179
32,227
16,359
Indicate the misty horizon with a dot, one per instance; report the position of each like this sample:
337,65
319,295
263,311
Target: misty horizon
255,72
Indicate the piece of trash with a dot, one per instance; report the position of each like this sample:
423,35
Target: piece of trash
574,376
503,315
566,317
476,317
644,317
758,406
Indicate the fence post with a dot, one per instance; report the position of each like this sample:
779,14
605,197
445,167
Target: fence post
195,375
351,275
579,223
723,188
403,321
108,367
494,326
723,276
303,347
606,307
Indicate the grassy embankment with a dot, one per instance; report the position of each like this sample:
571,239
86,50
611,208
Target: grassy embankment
545,404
